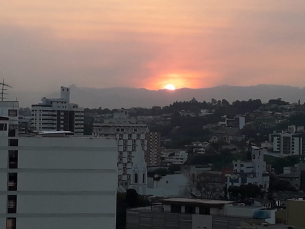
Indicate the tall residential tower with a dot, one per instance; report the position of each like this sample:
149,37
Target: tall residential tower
132,145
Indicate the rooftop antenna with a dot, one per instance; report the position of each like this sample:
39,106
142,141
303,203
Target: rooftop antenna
3,89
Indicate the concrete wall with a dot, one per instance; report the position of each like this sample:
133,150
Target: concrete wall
63,183
246,212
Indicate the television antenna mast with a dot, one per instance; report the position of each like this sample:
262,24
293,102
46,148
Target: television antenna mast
4,87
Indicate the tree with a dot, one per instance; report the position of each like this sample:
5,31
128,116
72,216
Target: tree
173,168
132,198
225,103
277,185
244,191
210,185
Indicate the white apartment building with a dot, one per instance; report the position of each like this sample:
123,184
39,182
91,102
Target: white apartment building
288,143
132,145
250,172
58,114
48,182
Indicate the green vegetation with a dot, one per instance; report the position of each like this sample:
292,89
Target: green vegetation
277,185
219,160
279,163
244,191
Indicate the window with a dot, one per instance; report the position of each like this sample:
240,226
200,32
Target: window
143,178
3,127
13,159
13,142
11,204
175,209
190,210
136,178
12,113
12,182
12,132
11,223
204,211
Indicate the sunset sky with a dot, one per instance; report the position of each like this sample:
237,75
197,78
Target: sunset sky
151,43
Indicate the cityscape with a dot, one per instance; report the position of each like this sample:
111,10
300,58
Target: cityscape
210,164
154,114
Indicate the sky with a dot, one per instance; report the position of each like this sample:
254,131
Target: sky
151,43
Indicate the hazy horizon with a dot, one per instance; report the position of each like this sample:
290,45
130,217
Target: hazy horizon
119,97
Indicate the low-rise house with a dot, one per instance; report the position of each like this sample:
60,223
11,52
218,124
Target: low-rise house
199,151
204,112
187,113
237,121
197,213
174,157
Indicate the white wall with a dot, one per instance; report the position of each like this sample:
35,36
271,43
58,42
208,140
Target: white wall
63,182
66,181
66,204
79,222
238,211
3,199
66,153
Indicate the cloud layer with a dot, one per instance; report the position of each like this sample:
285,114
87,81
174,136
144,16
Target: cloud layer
99,43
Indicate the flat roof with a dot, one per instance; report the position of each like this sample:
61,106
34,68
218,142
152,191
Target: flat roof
197,202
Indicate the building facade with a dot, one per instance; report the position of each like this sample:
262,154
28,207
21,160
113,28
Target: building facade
293,215
58,114
153,152
55,182
287,144
250,172
131,146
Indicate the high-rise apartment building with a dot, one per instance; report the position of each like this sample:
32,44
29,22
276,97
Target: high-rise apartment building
58,114
131,146
153,152
52,181
288,143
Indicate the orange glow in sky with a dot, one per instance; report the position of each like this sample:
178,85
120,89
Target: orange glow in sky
152,43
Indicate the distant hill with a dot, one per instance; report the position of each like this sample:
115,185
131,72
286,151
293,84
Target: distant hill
140,97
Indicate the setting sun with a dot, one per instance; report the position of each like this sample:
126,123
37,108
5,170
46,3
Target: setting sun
170,87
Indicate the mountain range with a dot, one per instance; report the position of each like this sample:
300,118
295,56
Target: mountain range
140,97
